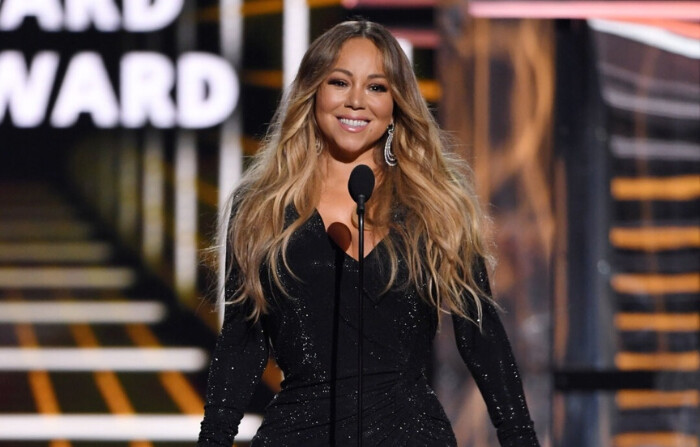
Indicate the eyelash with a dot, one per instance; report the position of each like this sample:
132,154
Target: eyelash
373,87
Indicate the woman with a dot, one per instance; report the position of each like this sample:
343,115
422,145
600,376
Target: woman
293,265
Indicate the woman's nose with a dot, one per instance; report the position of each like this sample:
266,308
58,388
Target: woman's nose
355,99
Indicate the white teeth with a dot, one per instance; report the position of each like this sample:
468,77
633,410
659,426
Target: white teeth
353,123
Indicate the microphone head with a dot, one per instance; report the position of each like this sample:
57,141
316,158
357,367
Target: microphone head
361,183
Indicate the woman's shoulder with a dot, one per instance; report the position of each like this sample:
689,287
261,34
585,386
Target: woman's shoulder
238,207
237,202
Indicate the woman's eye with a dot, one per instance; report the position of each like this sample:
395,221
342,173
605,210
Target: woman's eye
337,82
378,88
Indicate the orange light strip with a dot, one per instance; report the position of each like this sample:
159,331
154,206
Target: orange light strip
182,393
260,7
209,14
350,4
115,397
140,444
658,439
685,187
638,399
107,382
42,389
39,381
658,322
263,78
208,193
322,3
651,284
653,239
658,361
430,89
142,336
26,336
584,9
177,386
250,145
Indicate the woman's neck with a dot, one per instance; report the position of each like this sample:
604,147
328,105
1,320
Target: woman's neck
336,173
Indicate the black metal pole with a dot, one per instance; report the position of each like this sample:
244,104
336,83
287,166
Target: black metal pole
360,301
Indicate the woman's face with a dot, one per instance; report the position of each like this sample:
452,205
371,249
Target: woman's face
353,104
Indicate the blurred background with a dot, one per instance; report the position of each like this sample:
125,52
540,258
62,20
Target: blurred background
125,124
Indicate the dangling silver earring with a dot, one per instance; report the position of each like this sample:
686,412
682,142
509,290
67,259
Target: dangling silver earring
389,156
319,147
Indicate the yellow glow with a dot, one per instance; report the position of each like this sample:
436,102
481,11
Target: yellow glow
656,283
652,239
636,399
685,187
658,322
674,361
658,439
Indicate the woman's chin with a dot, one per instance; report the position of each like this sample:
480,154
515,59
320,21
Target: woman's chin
350,154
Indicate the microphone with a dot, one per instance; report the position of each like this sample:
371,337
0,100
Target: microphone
360,186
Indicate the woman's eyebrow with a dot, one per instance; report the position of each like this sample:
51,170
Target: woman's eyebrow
349,73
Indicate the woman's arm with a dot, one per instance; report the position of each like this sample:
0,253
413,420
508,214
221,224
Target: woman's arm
489,357
237,364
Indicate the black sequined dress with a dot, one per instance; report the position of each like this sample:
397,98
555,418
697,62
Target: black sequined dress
313,334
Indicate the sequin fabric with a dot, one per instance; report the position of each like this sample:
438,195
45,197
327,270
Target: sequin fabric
313,337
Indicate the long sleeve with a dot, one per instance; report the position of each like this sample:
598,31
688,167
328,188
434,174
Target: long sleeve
489,357
238,361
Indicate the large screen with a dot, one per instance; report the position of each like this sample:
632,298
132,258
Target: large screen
63,59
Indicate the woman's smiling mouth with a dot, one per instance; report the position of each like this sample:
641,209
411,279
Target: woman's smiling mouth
352,124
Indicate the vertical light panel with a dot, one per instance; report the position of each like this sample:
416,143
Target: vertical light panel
230,149
153,182
295,38
407,48
128,187
185,214
230,171
231,26
185,239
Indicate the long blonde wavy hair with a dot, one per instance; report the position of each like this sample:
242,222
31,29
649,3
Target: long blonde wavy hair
440,227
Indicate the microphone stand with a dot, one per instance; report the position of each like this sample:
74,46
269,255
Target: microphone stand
360,186
360,302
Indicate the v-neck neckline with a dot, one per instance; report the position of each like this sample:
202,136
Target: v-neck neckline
337,247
